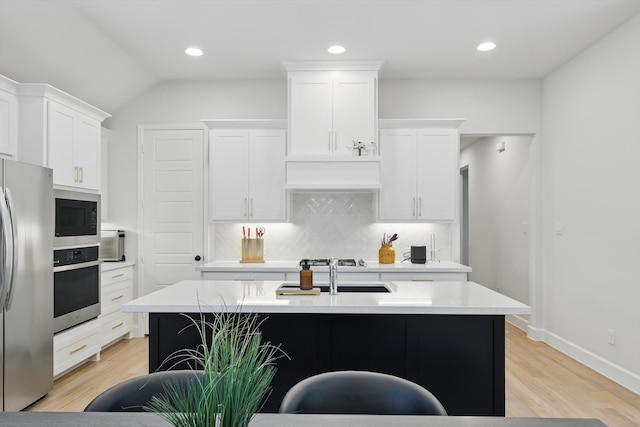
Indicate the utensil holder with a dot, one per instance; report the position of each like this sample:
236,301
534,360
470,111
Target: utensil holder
252,250
386,254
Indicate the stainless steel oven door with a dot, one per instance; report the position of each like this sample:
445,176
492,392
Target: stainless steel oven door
76,294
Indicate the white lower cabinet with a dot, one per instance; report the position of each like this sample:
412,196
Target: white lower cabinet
117,288
84,342
76,345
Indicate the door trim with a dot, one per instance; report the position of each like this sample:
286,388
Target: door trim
142,324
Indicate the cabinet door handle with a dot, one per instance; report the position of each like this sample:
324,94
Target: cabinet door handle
419,206
251,208
81,174
245,206
117,326
75,174
330,142
82,347
335,141
414,207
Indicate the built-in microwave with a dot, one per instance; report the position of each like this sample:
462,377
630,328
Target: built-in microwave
77,218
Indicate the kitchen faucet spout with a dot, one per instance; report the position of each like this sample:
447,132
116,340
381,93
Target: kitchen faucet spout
333,277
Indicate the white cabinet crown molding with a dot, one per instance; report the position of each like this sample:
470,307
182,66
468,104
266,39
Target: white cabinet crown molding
8,85
370,65
245,123
50,92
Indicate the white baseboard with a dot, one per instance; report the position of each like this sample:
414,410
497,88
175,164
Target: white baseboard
610,370
518,321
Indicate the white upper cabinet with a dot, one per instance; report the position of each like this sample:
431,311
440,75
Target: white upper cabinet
74,148
247,173
8,119
331,104
63,133
419,174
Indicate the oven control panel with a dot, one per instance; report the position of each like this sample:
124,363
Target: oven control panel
74,255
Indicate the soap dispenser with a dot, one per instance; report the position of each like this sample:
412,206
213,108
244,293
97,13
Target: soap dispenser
306,277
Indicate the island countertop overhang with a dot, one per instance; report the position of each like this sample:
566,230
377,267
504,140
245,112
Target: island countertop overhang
194,296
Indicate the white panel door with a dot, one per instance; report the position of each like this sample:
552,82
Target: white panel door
229,186
61,144
354,112
88,152
311,128
398,175
172,206
267,175
437,174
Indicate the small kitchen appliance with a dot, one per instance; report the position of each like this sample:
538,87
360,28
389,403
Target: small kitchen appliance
418,254
112,245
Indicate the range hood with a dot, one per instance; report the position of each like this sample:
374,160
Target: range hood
332,172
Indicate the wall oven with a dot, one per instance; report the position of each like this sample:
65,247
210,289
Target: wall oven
76,286
77,219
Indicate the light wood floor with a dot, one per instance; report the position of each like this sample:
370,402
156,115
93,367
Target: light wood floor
541,382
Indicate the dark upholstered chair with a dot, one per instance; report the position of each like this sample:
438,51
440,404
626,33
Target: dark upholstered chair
360,392
131,395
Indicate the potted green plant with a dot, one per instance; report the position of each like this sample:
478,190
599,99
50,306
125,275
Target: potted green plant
238,369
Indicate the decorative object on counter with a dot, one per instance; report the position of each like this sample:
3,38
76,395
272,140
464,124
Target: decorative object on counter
418,254
358,147
238,371
386,253
432,250
306,277
252,249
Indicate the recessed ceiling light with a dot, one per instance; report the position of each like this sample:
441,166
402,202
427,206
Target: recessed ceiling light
336,50
486,46
193,51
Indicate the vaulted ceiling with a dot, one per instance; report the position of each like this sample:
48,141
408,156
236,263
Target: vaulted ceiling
107,52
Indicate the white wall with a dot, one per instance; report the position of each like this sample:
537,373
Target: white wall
592,188
508,107
500,185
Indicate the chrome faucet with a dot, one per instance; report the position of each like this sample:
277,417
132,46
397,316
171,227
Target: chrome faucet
333,277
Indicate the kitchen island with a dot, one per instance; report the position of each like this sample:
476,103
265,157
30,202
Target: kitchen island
445,336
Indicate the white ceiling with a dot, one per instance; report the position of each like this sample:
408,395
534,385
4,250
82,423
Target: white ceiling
107,52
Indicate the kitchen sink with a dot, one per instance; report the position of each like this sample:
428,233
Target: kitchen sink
347,288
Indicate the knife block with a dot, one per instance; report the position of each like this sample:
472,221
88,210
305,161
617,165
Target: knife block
252,250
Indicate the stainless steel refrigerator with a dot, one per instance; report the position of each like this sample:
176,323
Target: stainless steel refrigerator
26,283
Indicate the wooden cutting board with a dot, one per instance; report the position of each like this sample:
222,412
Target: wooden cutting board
298,291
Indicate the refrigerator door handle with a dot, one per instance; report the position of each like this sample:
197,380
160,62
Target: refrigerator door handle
14,249
7,243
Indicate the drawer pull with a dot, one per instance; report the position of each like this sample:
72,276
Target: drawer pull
117,275
117,298
82,347
249,279
422,280
117,326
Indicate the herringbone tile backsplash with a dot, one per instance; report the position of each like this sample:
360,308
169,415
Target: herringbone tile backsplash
326,224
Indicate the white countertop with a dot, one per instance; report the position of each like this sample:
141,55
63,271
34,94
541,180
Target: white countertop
193,296
113,265
375,267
